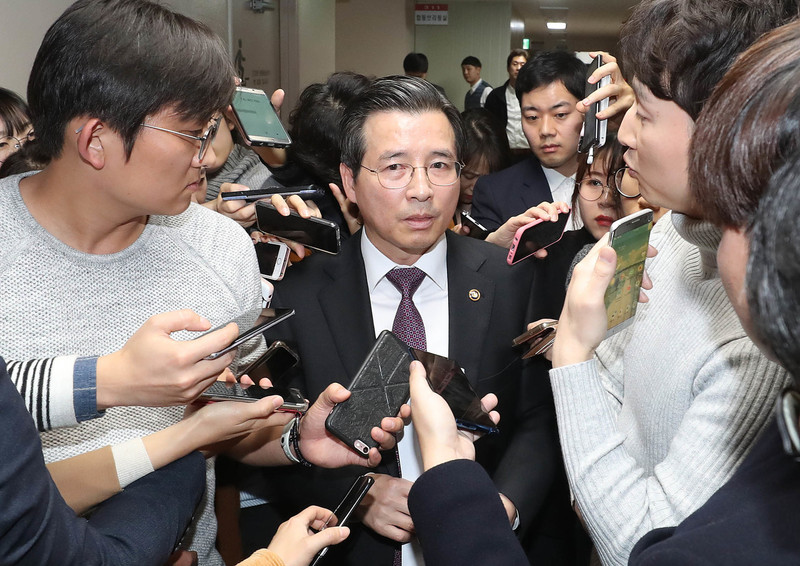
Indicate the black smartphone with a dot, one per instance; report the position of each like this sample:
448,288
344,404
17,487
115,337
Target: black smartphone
447,379
278,315
315,233
256,118
594,131
273,364
293,400
629,237
378,390
344,511
535,236
306,192
476,229
273,257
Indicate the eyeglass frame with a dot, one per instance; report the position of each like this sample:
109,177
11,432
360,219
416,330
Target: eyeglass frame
459,168
205,139
29,137
618,183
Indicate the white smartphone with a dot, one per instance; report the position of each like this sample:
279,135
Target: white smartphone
629,237
256,118
273,257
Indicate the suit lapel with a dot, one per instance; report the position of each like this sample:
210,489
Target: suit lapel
470,298
346,306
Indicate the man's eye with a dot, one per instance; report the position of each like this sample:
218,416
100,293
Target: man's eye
562,115
531,118
394,167
440,165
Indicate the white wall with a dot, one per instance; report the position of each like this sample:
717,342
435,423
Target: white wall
481,29
373,36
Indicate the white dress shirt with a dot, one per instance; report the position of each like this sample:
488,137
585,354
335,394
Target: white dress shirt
516,138
561,188
431,302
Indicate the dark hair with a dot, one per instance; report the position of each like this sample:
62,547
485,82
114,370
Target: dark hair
22,161
548,67
388,94
516,53
120,61
611,154
485,139
314,125
14,113
773,267
749,125
470,60
680,49
415,63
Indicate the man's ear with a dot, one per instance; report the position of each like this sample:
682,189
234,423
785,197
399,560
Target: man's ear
348,182
89,144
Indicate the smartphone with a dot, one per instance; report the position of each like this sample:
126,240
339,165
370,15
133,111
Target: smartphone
594,131
545,326
378,390
278,315
293,400
315,233
273,364
306,192
256,118
535,236
629,237
476,230
273,257
447,379
344,511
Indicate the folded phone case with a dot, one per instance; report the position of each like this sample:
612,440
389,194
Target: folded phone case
378,390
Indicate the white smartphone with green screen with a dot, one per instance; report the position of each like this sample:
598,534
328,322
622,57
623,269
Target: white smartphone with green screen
256,118
629,237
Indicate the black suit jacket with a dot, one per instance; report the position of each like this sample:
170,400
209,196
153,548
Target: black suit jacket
496,104
512,191
333,332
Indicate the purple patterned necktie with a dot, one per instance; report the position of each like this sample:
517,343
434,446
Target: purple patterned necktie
408,325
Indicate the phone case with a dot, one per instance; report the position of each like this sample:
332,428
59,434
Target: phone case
378,390
316,233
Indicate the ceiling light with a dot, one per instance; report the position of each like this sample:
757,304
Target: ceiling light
557,25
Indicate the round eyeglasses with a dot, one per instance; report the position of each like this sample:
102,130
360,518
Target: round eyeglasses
619,176
399,175
205,139
12,144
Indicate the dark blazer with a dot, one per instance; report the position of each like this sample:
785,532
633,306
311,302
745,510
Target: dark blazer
333,332
475,529
512,191
752,519
496,104
139,526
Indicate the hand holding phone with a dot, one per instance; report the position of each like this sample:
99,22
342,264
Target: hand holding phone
278,315
535,236
594,131
256,118
344,511
315,233
476,229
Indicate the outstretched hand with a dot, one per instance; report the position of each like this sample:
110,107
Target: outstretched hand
620,92
296,541
154,370
439,439
546,211
323,449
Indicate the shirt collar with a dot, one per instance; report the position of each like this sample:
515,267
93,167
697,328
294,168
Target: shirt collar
377,265
554,178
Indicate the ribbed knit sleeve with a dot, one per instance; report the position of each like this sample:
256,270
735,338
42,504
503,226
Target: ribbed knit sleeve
46,386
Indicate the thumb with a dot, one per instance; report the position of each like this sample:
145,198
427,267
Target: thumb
330,536
605,266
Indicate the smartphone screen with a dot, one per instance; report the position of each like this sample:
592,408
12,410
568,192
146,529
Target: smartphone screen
346,508
257,118
273,258
277,315
272,364
629,238
448,380
536,236
316,233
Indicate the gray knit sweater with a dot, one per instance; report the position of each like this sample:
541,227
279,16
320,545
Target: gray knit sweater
669,407
57,300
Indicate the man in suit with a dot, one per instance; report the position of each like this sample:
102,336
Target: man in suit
548,88
503,103
401,150
479,89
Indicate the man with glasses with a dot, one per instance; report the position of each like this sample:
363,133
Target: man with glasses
402,150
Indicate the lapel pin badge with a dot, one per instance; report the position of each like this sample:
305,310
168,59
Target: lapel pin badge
474,295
